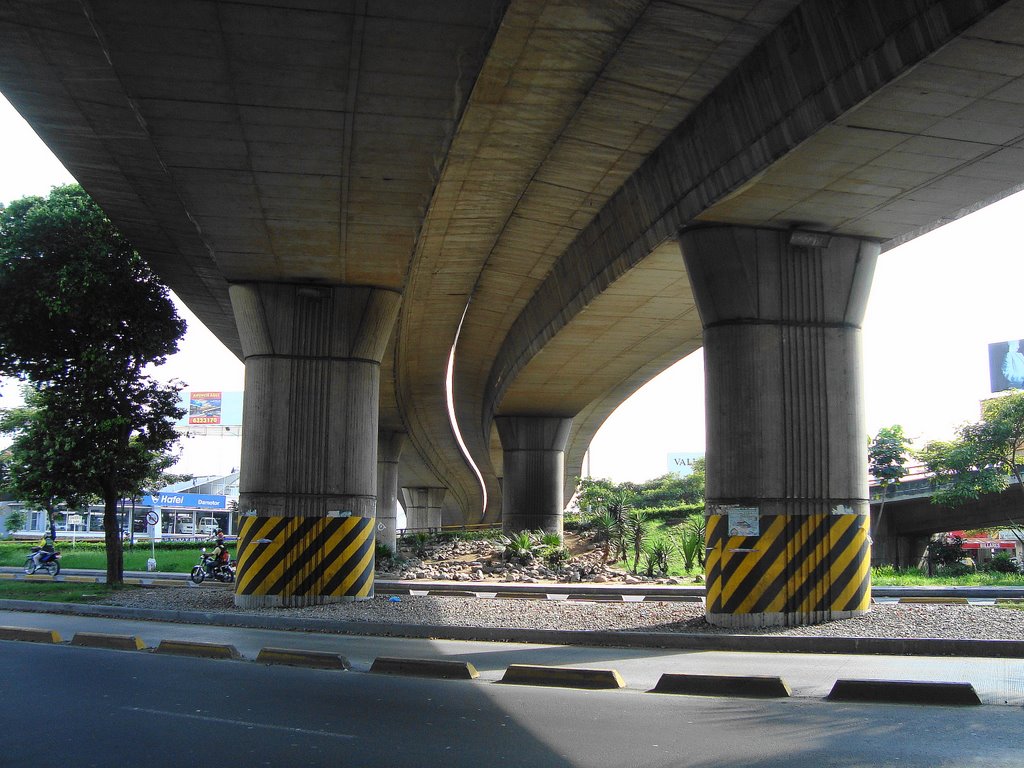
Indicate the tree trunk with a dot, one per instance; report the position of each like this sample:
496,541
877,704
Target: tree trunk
112,538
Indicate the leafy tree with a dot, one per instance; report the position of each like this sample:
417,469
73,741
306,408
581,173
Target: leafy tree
39,468
15,521
887,461
983,456
83,318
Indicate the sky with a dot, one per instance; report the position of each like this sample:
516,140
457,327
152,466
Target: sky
936,304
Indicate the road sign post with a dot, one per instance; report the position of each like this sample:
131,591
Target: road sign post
153,520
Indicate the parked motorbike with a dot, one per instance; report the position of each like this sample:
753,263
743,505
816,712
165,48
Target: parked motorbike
49,562
224,572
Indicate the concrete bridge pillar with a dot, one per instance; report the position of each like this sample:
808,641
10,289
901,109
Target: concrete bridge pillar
532,468
787,494
423,507
389,451
309,450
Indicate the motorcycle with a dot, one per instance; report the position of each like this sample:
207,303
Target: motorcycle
49,562
224,572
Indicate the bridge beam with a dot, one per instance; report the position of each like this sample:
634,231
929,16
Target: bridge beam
423,507
533,466
389,451
309,451
786,451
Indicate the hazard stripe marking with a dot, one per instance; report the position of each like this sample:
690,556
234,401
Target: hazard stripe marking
306,557
800,565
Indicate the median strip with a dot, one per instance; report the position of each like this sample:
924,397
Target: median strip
200,650
934,600
750,686
562,677
300,658
30,634
904,692
112,642
436,668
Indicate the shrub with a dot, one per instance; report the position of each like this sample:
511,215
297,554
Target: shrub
1001,563
521,547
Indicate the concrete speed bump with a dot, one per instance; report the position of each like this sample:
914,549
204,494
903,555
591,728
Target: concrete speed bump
436,668
112,642
752,686
562,677
30,634
299,658
904,692
935,600
201,650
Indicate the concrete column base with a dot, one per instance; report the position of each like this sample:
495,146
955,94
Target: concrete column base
423,508
787,496
533,469
308,482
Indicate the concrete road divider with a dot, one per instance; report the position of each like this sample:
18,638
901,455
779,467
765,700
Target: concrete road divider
936,600
202,650
437,668
113,642
30,634
562,677
299,658
751,686
904,692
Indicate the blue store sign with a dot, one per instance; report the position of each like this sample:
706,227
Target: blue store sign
185,501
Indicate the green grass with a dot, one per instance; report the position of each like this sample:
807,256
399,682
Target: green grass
888,576
56,591
170,558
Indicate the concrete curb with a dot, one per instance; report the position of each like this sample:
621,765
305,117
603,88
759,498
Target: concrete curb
199,650
998,649
934,600
749,686
904,692
30,635
299,658
111,642
436,668
562,677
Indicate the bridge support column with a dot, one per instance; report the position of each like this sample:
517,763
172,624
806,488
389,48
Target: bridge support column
423,507
787,495
309,450
389,450
532,468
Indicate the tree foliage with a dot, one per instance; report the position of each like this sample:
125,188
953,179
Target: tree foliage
84,318
982,457
669,490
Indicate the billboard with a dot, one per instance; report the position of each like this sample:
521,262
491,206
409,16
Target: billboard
204,408
682,463
1006,365
211,408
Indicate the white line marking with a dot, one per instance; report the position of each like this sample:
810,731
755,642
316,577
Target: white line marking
244,723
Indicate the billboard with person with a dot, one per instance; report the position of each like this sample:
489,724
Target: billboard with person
1006,365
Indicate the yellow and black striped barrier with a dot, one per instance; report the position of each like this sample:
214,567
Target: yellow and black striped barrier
801,569
304,560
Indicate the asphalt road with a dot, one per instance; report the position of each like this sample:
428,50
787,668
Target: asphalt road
90,707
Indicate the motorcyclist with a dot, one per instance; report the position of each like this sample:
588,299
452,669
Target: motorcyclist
219,555
45,548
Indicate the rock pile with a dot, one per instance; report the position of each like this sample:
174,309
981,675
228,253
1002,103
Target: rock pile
482,560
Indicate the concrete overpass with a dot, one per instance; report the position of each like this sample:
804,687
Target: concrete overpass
344,191
901,534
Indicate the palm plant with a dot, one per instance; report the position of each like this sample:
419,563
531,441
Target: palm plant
635,530
605,529
656,555
520,547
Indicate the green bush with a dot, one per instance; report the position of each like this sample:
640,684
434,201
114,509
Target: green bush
1001,563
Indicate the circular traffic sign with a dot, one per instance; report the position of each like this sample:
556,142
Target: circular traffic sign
153,518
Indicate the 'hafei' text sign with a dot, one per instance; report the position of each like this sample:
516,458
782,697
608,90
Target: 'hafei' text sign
185,501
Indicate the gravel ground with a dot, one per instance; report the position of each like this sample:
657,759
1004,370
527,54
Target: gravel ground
886,620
